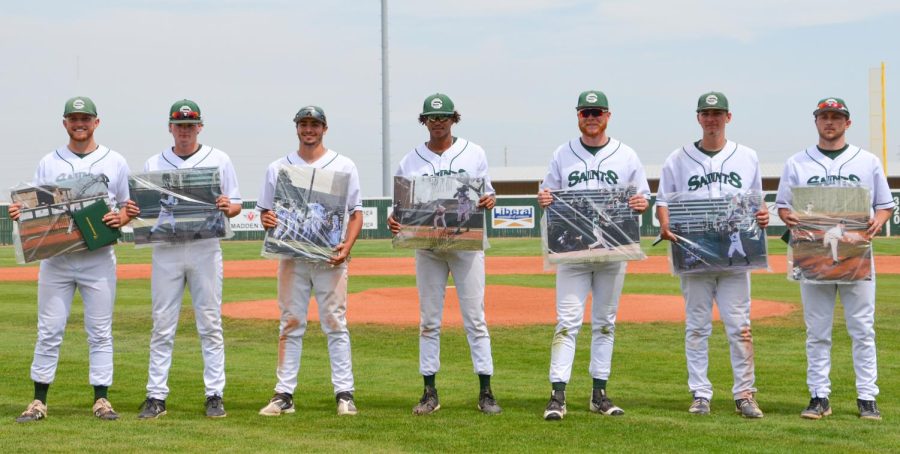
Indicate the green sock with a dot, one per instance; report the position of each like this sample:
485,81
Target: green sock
101,391
429,380
599,384
559,386
484,381
40,392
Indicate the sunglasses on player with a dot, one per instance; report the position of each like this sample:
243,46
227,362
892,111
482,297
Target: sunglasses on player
585,113
438,118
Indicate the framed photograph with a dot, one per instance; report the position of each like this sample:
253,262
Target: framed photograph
829,244
717,234
46,227
311,207
177,206
592,225
439,212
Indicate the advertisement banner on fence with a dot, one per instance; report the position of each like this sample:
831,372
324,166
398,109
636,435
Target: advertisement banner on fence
247,221
513,217
370,218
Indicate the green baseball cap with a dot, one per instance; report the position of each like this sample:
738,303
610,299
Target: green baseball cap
832,105
314,112
714,100
592,99
185,112
438,104
80,104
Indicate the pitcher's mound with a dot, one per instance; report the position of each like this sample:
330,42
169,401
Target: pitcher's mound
504,305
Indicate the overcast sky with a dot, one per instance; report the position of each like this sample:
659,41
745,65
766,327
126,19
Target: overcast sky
513,67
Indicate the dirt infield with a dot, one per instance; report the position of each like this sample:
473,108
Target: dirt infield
406,266
505,305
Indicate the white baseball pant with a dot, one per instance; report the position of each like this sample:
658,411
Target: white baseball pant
731,292
573,283
296,280
93,273
199,264
858,300
432,271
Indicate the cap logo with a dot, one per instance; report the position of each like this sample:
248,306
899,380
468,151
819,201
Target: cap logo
436,103
78,104
185,109
591,98
712,100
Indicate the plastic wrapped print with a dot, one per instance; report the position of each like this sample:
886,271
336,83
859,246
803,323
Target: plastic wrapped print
311,210
439,213
718,234
592,225
45,227
830,244
177,206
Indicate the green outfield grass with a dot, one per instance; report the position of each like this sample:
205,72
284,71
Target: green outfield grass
648,381
500,247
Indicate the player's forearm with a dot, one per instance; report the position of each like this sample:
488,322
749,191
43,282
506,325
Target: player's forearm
234,209
354,227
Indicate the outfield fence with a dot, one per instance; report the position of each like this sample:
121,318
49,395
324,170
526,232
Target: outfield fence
513,217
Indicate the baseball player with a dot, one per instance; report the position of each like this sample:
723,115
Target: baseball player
93,273
334,230
832,237
445,154
735,246
167,204
464,207
297,279
833,161
593,161
714,167
440,216
197,263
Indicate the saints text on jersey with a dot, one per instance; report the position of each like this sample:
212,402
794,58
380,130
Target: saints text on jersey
441,173
698,181
608,177
831,179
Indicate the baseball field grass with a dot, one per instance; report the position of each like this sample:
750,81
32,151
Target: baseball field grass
648,379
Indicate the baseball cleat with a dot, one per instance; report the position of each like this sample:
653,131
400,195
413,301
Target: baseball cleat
556,408
817,409
278,404
214,407
748,408
152,409
487,404
700,406
36,410
104,410
429,402
600,403
345,404
868,410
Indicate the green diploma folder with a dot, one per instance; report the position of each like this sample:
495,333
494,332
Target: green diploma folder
95,232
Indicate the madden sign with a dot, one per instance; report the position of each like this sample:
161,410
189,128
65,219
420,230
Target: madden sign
247,221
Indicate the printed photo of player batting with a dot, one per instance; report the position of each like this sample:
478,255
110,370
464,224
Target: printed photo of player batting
592,225
177,206
439,212
829,244
310,205
718,233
